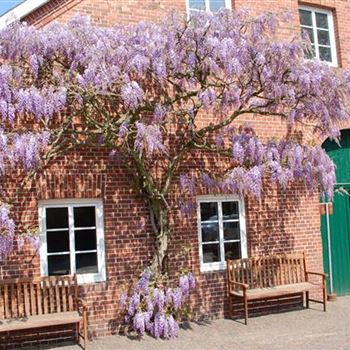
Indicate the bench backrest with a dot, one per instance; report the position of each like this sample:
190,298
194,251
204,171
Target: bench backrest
267,271
24,297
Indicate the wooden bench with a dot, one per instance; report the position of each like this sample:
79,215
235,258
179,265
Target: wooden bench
28,303
268,277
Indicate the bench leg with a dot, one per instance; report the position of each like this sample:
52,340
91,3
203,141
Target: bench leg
324,299
230,306
307,299
85,327
245,310
77,332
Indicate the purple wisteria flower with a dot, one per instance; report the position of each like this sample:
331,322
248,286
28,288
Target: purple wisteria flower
123,130
148,139
26,149
187,207
159,298
159,114
207,98
123,299
139,323
184,284
8,231
188,184
142,283
134,303
132,95
208,181
173,329
156,310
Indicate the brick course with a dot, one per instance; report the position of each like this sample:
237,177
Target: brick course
282,221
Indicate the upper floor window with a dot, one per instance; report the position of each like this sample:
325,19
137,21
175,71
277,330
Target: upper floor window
72,239
207,5
318,24
221,231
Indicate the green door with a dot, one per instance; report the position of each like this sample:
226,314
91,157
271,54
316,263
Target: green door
339,221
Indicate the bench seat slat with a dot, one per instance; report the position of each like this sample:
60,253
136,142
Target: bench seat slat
40,321
294,288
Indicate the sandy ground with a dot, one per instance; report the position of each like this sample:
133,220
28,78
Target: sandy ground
307,329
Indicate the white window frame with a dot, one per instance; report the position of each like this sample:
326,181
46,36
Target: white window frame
332,40
100,276
221,265
228,5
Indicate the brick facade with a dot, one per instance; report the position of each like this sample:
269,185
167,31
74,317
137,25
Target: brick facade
282,221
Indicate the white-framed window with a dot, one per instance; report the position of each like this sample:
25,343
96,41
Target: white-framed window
72,239
221,231
319,25
194,6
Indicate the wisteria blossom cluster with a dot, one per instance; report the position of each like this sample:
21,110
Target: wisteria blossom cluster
143,90
22,150
156,310
7,231
283,162
32,239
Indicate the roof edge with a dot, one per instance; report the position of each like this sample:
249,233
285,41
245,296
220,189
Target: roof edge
20,11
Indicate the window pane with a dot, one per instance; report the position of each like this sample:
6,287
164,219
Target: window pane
58,265
216,5
309,32
197,4
230,210
325,54
56,218
210,232
211,253
85,239
209,211
57,241
231,230
232,250
323,37
86,263
305,17
321,20
84,217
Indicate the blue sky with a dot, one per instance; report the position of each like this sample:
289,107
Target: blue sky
6,5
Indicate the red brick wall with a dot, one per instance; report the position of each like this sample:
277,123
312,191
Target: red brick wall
105,12
282,221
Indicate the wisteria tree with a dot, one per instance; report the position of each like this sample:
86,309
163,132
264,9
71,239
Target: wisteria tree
159,94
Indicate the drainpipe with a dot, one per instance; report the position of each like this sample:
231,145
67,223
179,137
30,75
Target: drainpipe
331,295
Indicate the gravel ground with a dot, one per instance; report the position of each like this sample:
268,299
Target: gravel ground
303,329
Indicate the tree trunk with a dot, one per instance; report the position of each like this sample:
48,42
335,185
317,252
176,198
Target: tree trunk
160,223
159,261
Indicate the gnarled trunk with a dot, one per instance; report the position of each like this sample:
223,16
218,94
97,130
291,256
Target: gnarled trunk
160,224
159,261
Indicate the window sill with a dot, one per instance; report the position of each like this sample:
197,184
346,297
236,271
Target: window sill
91,278
213,267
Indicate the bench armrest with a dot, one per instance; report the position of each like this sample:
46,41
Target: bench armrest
321,274
316,273
241,285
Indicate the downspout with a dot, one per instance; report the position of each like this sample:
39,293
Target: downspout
331,295
329,250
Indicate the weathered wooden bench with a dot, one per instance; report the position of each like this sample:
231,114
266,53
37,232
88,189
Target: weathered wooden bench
269,277
34,303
